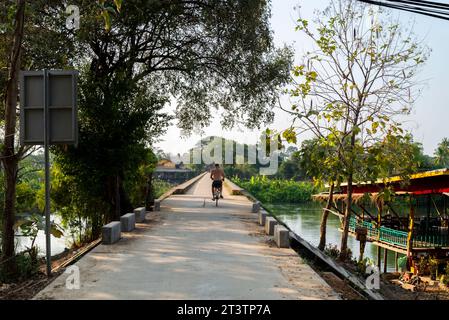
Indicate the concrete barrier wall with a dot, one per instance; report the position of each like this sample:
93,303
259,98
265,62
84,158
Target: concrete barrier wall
182,188
270,223
111,233
128,222
140,214
233,188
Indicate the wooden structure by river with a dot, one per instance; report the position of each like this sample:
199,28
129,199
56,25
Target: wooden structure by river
394,224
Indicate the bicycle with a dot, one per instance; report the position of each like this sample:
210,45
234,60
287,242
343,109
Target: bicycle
217,193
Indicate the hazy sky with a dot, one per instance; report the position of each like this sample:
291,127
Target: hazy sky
429,119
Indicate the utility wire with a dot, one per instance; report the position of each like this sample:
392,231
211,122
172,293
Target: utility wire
433,9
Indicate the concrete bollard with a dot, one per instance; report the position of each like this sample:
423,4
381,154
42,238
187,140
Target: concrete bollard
256,207
140,214
270,222
281,236
128,222
262,217
111,233
157,205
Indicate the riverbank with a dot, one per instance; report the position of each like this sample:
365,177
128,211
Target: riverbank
277,190
26,289
304,219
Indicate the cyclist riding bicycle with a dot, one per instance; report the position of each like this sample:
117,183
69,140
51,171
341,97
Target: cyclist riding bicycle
218,176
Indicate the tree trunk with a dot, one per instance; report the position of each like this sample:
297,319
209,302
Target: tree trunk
9,156
117,197
344,237
346,218
149,194
125,204
324,217
10,166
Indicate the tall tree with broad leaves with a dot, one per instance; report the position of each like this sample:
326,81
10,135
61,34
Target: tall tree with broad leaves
352,89
209,56
442,153
25,43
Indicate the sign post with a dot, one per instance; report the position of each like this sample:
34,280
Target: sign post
48,115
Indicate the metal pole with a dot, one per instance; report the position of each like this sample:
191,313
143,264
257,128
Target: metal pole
47,175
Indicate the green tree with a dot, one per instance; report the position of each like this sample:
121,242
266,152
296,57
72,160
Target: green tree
320,160
206,54
352,89
442,153
240,165
140,183
12,28
291,167
26,42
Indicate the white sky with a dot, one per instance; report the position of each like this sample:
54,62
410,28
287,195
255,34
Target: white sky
429,120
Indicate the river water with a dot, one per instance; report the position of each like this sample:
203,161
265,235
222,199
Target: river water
305,220
58,245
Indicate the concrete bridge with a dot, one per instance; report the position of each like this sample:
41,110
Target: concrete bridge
191,249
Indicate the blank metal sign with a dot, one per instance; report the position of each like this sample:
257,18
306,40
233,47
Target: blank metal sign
59,95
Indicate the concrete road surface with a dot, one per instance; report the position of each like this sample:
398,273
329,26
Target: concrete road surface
194,250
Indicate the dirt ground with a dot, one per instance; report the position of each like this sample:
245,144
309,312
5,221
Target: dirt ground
393,289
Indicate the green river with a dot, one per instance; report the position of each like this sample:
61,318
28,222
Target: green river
304,219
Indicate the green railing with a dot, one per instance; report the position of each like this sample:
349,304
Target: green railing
372,231
399,238
394,237
430,240
383,234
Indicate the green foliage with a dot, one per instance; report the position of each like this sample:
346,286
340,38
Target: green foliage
160,187
278,191
240,167
433,267
320,160
2,194
27,265
242,171
118,131
442,153
30,226
26,197
445,280
350,92
393,155
292,168
225,57
138,182
82,213
423,266
362,265
121,98
333,251
333,101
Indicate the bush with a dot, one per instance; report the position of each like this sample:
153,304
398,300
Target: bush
160,187
277,191
332,251
27,266
433,266
362,265
445,279
423,266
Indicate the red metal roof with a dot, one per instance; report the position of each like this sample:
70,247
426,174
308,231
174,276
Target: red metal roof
429,182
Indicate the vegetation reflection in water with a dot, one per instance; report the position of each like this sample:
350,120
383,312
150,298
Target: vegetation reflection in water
305,218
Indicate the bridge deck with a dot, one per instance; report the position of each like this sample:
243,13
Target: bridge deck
194,250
